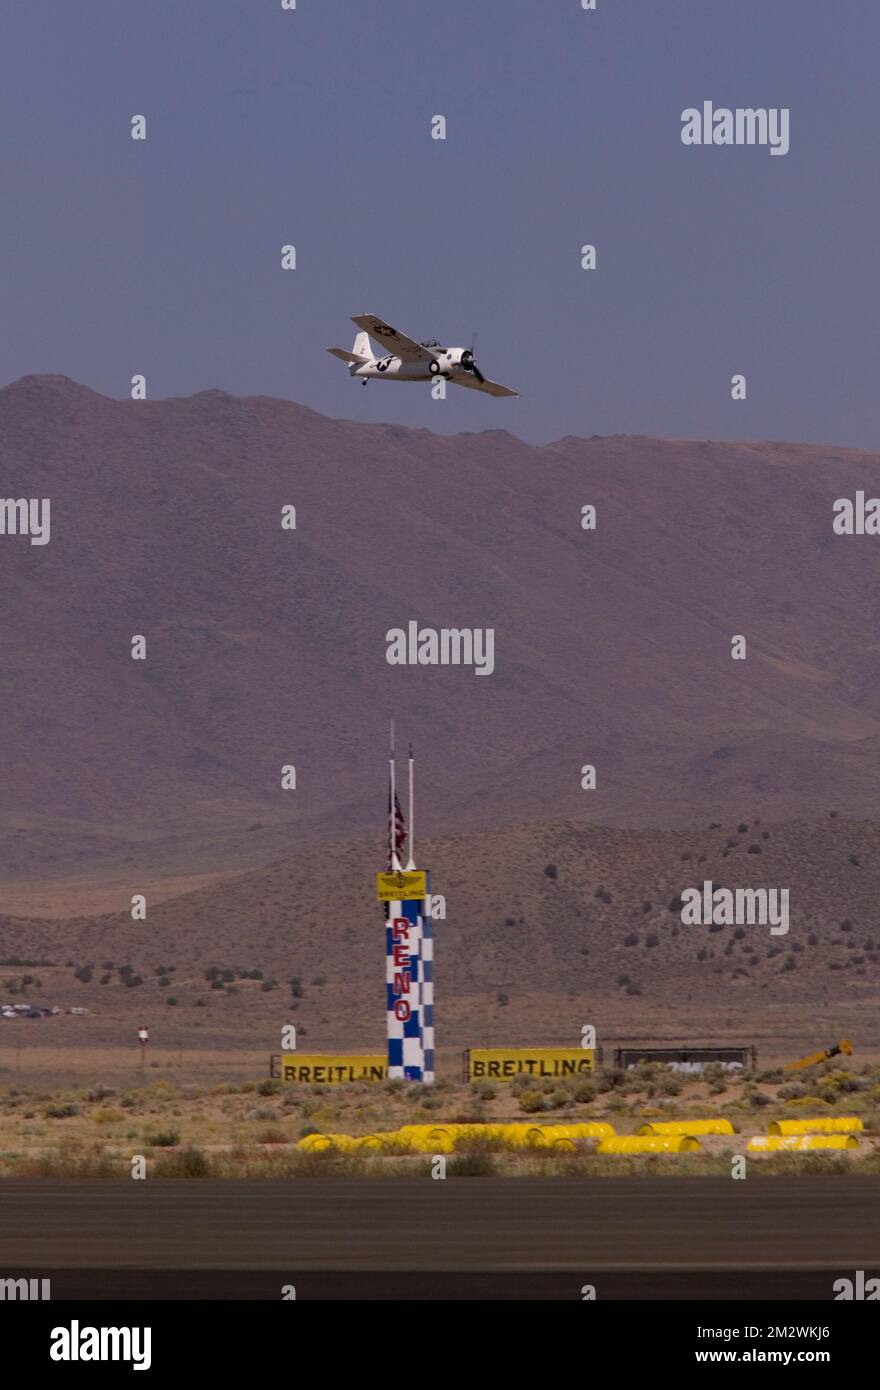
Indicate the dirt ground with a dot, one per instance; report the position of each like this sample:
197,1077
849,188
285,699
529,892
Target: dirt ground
87,1111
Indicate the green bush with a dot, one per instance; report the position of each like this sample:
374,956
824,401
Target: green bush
165,1139
531,1101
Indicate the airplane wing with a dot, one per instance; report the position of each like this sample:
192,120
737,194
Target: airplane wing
403,347
492,388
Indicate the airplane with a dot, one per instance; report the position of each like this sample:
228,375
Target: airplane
408,360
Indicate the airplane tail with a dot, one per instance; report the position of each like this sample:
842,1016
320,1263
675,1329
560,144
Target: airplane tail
361,351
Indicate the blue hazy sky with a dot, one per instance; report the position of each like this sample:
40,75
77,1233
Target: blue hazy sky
313,127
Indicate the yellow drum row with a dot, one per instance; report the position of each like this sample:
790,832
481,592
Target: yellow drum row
819,1132
660,1136
822,1124
772,1143
444,1138
650,1144
687,1127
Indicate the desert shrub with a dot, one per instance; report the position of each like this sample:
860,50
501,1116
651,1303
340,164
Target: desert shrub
272,1135
585,1091
165,1139
472,1165
668,1084
483,1090
531,1101
183,1163
610,1078
758,1099
550,871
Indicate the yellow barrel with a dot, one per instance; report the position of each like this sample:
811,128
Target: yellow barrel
450,1126
823,1124
319,1143
591,1129
382,1141
773,1143
523,1136
649,1144
372,1141
436,1141
716,1126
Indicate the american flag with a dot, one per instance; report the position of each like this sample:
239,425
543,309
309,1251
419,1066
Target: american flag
399,832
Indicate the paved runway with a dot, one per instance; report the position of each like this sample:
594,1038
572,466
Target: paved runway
463,1237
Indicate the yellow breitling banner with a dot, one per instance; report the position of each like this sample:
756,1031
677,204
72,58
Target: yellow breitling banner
333,1066
400,886
504,1063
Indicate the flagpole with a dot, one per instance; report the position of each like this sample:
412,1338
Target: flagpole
412,834
395,862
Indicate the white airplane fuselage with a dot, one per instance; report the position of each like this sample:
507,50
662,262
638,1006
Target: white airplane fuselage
448,365
410,360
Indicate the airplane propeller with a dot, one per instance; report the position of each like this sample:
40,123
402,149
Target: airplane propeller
468,362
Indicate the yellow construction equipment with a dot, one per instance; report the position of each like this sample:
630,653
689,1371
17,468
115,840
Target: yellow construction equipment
842,1048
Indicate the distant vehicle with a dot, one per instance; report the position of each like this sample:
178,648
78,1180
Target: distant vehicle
844,1048
408,360
79,1011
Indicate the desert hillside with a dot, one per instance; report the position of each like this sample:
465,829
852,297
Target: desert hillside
547,926
266,647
